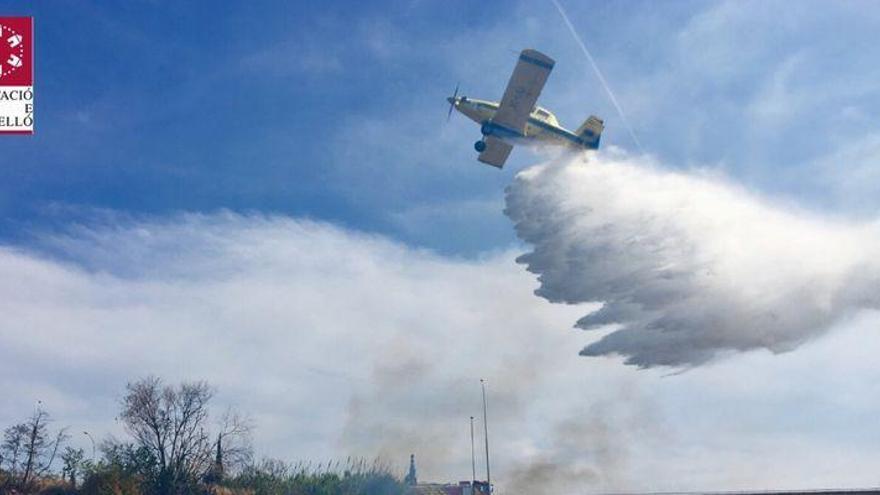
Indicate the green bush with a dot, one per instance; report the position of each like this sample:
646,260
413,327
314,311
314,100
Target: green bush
111,482
272,477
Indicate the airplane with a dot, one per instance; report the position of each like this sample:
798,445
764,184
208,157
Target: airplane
517,120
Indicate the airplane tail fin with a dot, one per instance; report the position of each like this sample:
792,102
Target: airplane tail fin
590,131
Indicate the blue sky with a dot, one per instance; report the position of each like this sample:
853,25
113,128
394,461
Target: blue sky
336,110
275,186
152,109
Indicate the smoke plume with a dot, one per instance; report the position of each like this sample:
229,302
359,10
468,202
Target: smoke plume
687,266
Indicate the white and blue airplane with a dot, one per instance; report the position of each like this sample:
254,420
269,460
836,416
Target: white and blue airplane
517,120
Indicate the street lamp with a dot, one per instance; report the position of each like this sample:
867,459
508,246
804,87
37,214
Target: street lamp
486,434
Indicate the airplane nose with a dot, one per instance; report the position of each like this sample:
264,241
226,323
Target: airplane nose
451,100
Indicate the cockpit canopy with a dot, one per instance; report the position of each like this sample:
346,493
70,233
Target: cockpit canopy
545,115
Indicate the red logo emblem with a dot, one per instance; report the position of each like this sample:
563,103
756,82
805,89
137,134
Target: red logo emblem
16,51
16,75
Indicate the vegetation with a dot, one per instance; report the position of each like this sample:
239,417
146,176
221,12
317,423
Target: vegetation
172,450
272,477
27,451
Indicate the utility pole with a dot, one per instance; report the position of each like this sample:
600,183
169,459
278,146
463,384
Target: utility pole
486,434
473,456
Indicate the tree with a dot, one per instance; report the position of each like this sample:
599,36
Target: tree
171,423
232,448
73,460
28,449
12,450
124,468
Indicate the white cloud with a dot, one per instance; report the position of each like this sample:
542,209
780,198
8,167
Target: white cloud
850,175
776,103
297,322
340,343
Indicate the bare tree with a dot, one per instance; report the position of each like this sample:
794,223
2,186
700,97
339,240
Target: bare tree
233,442
29,450
172,424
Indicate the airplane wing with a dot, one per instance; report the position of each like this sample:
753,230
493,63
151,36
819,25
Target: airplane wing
523,89
496,152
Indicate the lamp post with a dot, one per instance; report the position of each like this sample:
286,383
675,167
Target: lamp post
473,457
486,435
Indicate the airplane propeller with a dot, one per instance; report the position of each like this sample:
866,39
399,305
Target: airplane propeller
452,103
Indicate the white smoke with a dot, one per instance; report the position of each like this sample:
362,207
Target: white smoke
687,265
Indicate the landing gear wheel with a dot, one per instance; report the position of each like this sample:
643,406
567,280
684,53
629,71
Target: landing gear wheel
486,129
480,146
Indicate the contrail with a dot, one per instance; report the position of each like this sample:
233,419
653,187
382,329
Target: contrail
602,80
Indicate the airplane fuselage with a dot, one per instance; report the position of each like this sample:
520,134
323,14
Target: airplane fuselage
541,125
